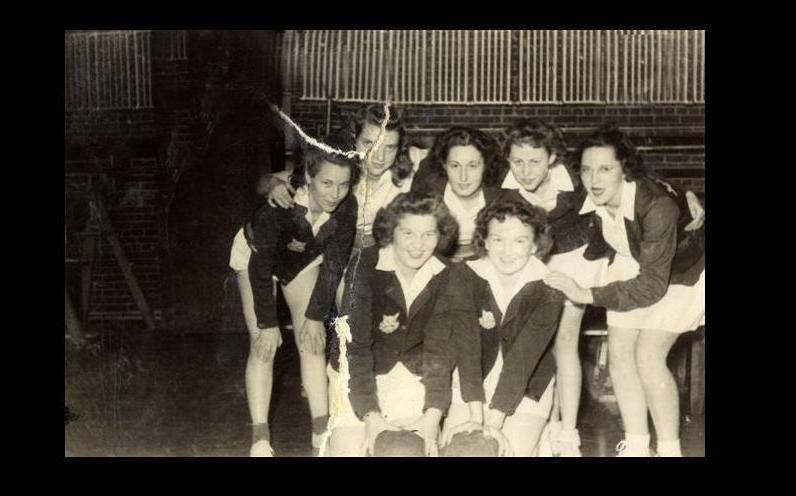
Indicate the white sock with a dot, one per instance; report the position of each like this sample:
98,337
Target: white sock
637,443
669,448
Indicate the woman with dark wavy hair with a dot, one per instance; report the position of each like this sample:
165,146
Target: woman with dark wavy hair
305,249
464,168
497,321
653,288
390,292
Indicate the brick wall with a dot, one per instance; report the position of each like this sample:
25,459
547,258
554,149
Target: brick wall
679,128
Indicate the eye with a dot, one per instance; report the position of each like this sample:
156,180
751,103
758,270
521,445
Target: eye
605,168
453,166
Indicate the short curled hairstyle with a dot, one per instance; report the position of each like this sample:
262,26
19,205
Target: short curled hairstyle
416,203
313,156
528,214
494,162
374,114
610,136
535,133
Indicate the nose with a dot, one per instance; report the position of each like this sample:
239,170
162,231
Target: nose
415,243
463,174
379,154
526,170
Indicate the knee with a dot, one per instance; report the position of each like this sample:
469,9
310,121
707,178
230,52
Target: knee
651,366
621,356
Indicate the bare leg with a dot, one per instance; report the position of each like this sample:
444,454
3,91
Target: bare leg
569,377
313,367
625,378
259,372
659,385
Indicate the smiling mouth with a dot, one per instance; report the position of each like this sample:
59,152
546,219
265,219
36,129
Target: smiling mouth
597,191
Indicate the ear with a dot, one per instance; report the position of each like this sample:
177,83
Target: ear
552,160
307,178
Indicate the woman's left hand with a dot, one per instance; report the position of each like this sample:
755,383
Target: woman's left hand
569,287
313,337
428,428
504,446
697,212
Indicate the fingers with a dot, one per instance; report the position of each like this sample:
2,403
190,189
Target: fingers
282,202
431,447
290,188
271,202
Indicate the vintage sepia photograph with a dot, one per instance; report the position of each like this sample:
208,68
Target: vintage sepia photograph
384,243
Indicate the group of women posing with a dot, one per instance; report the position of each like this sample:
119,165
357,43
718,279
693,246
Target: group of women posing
462,273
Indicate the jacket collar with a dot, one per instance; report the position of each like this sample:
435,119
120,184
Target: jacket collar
413,291
302,198
534,270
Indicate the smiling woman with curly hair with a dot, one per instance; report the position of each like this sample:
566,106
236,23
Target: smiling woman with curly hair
391,289
497,322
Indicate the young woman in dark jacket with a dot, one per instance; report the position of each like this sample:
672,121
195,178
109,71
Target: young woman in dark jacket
497,327
391,290
305,249
653,289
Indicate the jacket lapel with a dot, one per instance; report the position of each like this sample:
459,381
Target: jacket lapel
392,288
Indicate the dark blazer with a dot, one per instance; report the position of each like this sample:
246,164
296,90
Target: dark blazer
525,337
568,228
370,294
666,253
285,245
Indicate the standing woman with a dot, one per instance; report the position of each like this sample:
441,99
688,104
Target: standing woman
391,290
501,319
464,168
653,289
305,249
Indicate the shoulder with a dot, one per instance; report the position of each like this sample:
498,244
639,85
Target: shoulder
654,204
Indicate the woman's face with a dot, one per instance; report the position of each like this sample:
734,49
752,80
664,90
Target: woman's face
602,175
330,185
509,244
465,170
414,240
380,158
530,165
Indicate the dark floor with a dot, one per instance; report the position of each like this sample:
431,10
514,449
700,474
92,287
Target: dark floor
138,393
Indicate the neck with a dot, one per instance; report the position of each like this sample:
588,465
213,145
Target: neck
612,206
314,208
407,273
470,200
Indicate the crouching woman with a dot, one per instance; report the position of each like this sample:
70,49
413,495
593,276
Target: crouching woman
390,292
502,319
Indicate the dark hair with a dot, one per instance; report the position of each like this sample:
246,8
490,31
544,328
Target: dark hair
312,157
535,133
526,213
494,162
610,136
415,203
374,114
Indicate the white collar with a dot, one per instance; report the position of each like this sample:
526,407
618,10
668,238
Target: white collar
411,290
627,202
453,202
302,197
559,179
534,270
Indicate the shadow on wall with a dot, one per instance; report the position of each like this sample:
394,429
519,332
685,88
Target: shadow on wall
216,193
